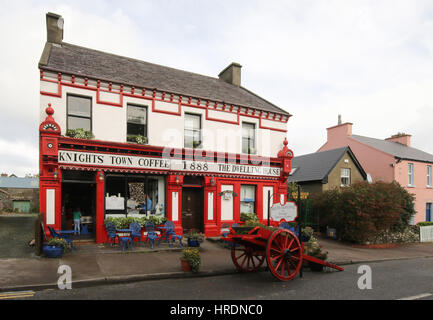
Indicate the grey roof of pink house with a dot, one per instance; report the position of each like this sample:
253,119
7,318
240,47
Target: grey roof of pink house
396,149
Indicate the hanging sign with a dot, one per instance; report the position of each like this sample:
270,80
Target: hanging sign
137,162
288,212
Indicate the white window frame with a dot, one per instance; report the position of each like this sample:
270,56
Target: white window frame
199,130
343,174
252,139
429,176
411,175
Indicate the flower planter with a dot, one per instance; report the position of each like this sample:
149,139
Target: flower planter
185,265
52,251
193,242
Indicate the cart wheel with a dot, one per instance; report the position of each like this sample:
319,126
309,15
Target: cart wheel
284,254
246,259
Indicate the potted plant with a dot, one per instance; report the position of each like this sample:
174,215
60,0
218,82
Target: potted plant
79,133
55,248
190,260
139,139
314,249
194,238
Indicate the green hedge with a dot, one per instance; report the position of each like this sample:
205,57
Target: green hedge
124,222
424,224
361,210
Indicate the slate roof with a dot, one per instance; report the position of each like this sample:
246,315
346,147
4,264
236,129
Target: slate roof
316,166
396,149
19,183
90,63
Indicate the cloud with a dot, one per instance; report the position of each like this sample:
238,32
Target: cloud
371,61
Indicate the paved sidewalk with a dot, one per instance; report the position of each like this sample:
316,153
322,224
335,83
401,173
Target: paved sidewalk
94,264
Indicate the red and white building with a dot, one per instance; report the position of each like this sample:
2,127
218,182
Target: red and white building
212,148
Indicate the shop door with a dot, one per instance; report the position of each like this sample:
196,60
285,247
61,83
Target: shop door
192,209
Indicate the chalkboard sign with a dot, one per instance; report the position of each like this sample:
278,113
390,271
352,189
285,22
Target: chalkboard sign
288,211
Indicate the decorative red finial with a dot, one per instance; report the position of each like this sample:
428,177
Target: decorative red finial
285,142
49,110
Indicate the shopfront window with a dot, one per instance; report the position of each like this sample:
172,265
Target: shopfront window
248,199
135,195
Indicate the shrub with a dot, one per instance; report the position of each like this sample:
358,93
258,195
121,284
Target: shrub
424,224
314,249
140,139
124,222
249,217
58,242
362,210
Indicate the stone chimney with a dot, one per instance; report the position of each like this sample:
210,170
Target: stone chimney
401,138
232,74
54,28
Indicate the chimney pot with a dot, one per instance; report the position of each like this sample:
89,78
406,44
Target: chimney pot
54,28
231,74
401,138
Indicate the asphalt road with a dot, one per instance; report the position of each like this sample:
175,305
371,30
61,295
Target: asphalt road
399,279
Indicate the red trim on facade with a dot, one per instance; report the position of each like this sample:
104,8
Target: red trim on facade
206,107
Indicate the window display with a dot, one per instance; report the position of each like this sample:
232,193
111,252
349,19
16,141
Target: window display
135,195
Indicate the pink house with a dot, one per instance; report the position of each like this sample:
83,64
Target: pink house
388,160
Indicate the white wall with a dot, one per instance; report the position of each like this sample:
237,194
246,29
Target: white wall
109,122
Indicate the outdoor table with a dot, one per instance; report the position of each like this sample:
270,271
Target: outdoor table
163,230
124,236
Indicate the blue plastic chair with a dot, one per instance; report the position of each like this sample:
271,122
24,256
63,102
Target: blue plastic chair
170,232
59,235
136,230
111,232
152,235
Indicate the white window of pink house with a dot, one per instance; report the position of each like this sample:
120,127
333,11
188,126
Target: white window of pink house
429,176
411,174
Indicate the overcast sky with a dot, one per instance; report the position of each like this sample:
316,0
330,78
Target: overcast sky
370,61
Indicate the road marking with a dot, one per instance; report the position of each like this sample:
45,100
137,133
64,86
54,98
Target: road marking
419,296
16,294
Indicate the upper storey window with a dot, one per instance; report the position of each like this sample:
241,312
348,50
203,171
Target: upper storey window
411,175
79,112
136,123
248,138
192,131
429,176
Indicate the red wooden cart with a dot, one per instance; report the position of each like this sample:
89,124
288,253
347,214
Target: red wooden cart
281,248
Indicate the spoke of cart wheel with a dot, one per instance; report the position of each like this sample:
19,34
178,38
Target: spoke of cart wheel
291,242
286,240
278,264
275,250
282,267
294,249
243,261
276,257
241,255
